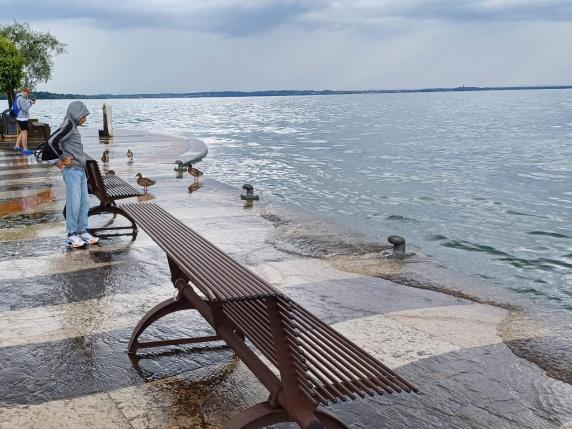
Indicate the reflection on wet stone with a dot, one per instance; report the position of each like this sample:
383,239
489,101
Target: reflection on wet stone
19,220
82,285
80,366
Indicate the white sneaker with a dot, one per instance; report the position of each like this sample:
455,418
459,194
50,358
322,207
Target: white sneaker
74,241
88,238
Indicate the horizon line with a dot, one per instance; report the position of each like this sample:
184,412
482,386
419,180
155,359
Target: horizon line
286,92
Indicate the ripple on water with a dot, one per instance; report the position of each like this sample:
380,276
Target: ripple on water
436,237
474,247
517,213
399,218
549,234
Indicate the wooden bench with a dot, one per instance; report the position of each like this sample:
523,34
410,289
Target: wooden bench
108,189
313,364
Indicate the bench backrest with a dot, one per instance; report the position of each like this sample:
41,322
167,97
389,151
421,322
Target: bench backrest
95,180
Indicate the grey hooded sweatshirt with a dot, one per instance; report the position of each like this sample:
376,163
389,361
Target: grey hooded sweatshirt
24,104
66,140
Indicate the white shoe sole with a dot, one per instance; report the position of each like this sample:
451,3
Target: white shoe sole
75,246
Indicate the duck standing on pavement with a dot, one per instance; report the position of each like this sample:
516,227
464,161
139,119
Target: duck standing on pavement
144,181
195,172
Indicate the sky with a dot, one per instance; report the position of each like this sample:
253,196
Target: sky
150,46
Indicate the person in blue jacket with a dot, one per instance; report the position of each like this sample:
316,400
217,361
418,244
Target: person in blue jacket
23,118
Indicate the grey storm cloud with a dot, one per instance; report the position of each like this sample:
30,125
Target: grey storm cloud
216,16
245,17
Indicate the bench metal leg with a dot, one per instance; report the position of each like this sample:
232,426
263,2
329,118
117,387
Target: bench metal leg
166,307
259,416
115,211
329,419
263,414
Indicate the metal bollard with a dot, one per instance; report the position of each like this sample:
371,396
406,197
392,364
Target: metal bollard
398,244
179,169
249,193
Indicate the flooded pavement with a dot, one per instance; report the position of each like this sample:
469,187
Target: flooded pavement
66,316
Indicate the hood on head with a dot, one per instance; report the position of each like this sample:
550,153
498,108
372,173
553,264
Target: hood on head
76,110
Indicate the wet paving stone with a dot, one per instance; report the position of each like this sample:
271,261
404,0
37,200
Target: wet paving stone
503,396
77,286
28,248
24,186
27,174
13,162
30,167
26,219
339,300
79,366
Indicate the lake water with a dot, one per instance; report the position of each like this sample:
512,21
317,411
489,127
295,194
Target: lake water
480,181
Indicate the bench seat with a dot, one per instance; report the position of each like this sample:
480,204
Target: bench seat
118,189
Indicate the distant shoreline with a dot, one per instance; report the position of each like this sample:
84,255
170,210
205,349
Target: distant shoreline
44,95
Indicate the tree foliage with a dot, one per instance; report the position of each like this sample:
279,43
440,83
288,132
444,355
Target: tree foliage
11,68
37,48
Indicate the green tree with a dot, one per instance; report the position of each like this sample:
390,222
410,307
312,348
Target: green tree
11,68
37,49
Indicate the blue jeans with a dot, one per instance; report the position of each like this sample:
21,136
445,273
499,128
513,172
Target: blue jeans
77,200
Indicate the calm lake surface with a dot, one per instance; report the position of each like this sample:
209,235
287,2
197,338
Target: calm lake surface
480,181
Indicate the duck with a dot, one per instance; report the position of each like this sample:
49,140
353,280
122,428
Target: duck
129,155
144,181
195,172
105,157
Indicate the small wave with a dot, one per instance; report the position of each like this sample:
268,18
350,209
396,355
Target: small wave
399,218
556,262
436,237
534,292
548,234
306,236
514,212
485,277
544,264
473,247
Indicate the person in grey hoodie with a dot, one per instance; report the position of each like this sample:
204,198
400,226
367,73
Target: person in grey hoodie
23,118
66,151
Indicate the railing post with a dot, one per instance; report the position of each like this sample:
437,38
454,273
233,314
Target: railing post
107,123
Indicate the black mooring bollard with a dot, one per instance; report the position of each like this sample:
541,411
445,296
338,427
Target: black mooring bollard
398,244
249,193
